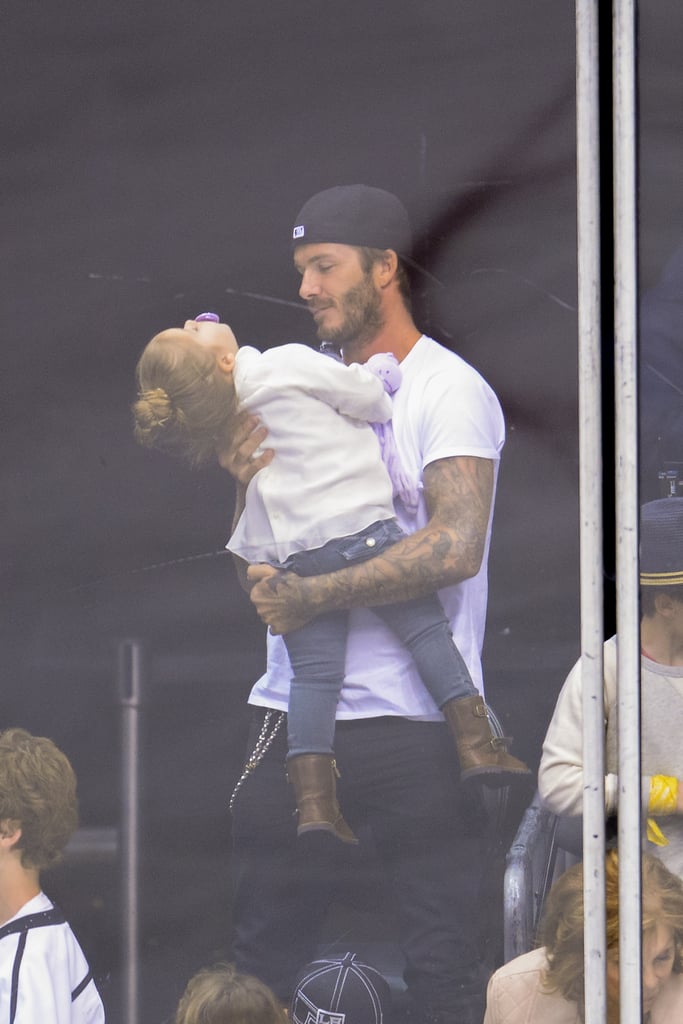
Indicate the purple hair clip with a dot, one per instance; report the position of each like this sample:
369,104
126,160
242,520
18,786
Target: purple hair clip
213,317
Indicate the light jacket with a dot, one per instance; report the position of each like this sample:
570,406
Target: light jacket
515,996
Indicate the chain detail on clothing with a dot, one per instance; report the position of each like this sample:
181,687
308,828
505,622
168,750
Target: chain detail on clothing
265,738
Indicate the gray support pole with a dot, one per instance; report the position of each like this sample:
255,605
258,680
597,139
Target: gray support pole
131,682
590,502
626,396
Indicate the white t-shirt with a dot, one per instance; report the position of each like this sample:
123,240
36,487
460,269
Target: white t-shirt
53,980
444,408
327,478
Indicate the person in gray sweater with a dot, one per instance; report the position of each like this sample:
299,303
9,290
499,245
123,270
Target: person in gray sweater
560,779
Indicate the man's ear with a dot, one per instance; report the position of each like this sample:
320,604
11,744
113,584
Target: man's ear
226,362
385,268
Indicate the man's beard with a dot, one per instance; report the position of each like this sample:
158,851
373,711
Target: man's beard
361,311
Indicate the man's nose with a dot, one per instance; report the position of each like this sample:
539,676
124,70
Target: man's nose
309,285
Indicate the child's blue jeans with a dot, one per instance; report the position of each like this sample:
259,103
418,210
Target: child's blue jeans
317,651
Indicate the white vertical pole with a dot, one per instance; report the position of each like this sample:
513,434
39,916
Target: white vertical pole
626,399
131,680
590,501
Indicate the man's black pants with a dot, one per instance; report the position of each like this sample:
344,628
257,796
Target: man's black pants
399,782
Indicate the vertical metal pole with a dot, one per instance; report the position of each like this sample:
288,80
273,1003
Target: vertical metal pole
626,395
131,681
590,501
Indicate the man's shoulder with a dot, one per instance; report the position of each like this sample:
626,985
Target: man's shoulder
427,352
442,392
430,361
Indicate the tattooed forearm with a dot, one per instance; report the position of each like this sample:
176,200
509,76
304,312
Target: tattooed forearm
459,493
449,549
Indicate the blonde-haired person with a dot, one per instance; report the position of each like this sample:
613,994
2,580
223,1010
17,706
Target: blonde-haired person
546,986
44,975
324,501
221,995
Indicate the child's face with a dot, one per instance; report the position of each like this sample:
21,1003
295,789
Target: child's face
216,337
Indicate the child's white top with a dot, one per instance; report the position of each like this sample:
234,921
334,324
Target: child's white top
327,478
51,975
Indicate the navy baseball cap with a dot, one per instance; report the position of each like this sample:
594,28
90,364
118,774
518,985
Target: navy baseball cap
354,215
341,990
661,543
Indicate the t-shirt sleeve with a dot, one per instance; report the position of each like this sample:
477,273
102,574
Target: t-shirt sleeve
462,417
88,1007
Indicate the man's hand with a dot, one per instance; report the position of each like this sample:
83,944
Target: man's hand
279,598
238,454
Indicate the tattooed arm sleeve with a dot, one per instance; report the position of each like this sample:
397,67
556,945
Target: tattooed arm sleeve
447,550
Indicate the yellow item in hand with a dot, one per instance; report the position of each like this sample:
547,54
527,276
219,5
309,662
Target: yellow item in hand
663,794
655,834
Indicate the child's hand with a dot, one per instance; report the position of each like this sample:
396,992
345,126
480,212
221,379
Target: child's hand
238,455
258,571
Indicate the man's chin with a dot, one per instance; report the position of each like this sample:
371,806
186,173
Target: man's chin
343,338
337,339
327,333
323,332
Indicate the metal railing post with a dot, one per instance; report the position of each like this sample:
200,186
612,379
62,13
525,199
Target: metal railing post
131,683
626,403
590,501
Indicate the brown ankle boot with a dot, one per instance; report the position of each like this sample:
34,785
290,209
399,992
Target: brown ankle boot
482,755
313,777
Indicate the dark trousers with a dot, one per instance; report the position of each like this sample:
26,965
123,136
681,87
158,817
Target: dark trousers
399,783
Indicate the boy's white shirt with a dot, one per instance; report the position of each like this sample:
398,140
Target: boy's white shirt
52,966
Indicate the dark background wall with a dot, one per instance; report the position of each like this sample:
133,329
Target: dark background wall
155,156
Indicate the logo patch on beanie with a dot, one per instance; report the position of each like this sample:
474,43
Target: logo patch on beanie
341,990
298,231
326,1017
